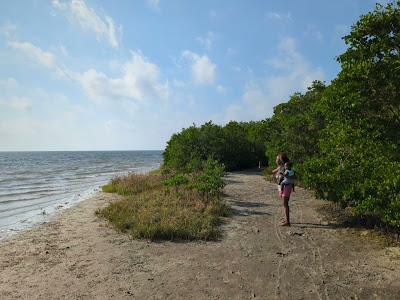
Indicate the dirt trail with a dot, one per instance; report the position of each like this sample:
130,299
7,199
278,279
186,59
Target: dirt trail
78,256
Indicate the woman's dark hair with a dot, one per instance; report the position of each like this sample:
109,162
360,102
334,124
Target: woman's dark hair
282,158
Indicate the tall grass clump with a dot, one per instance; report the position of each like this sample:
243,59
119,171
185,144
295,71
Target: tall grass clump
169,205
132,184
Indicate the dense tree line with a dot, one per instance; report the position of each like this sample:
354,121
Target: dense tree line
236,145
344,138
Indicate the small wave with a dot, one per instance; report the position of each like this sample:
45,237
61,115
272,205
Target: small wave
31,191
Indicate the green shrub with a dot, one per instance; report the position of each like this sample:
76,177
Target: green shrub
156,215
209,182
133,183
151,210
236,145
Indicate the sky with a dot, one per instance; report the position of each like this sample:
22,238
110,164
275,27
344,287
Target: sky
127,74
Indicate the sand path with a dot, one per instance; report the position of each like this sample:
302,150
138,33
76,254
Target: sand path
78,256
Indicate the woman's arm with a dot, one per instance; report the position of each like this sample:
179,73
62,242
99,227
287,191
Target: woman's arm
276,170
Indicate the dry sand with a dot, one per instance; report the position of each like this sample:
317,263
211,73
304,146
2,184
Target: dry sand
78,256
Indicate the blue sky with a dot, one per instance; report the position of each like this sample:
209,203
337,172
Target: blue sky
126,75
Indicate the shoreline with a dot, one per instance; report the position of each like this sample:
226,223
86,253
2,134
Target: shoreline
48,214
16,219
79,255
57,215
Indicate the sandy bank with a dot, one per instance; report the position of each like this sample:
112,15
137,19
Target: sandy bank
78,256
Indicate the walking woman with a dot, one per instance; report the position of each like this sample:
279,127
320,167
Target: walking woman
285,190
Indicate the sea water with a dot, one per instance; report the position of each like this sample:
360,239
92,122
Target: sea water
36,185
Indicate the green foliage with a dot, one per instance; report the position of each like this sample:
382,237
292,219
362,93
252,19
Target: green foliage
133,183
295,126
359,147
188,149
209,182
176,180
236,145
155,215
151,210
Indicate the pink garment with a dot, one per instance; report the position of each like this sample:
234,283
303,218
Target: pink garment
287,190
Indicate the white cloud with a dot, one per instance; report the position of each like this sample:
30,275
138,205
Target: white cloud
46,59
207,40
36,54
292,73
272,15
56,124
79,13
203,69
140,80
154,4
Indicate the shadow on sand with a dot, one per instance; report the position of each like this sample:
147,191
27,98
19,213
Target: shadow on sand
248,204
312,225
248,212
246,208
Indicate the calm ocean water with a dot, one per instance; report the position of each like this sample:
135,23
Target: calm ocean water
35,185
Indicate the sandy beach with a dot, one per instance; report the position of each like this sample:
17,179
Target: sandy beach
79,256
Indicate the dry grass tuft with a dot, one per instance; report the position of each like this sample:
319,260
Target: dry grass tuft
154,211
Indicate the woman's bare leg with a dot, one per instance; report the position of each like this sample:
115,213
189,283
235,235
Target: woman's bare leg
286,209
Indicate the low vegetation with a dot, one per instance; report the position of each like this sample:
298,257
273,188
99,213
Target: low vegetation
169,205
